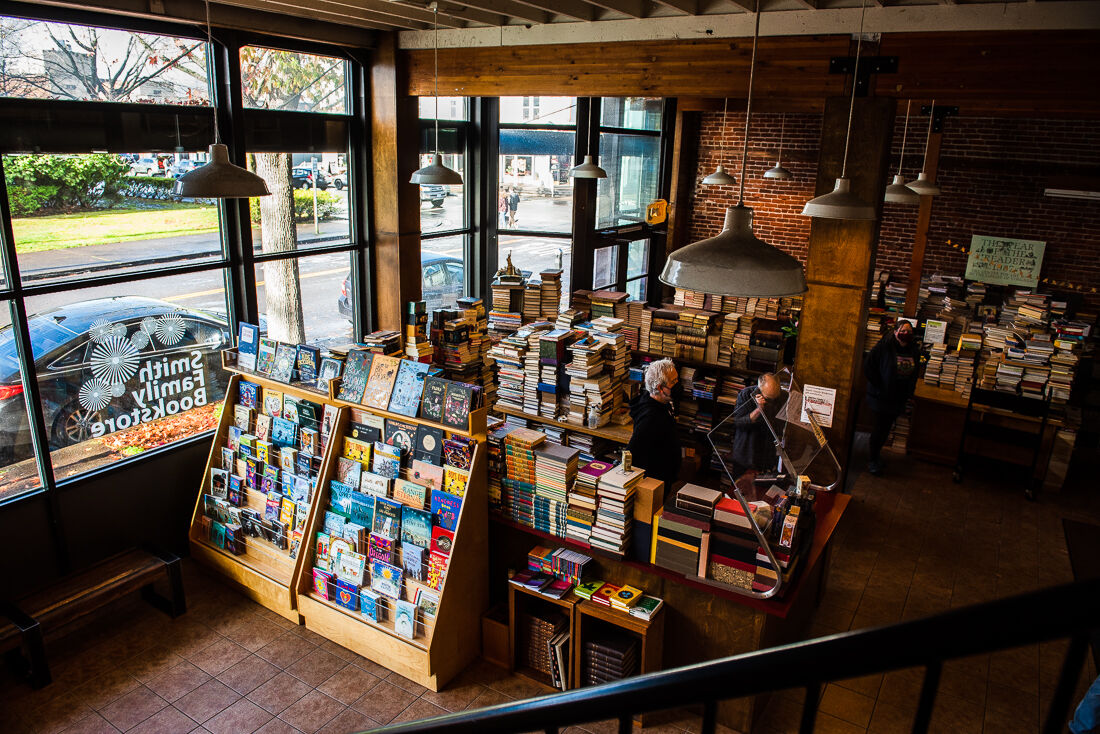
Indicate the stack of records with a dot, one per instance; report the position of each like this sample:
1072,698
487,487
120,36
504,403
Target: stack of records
609,658
555,472
615,510
550,293
536,631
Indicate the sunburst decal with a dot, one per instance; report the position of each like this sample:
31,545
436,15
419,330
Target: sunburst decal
94,394
114,361
118,330
139,339
117,390
101,330
170,329
148,325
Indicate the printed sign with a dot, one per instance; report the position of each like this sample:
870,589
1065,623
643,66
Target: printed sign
820,401
935,331
1005,261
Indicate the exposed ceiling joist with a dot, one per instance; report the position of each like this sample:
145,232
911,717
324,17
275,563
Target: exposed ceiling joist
571,9
630,8
504,9
690,7
333,12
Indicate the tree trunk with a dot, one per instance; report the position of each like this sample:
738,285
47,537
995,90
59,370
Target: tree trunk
282,290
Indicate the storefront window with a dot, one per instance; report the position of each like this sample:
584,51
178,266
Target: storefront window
544,111
443,208
307,300
272,79
533,255
633,164
443,273
124,369
605,267
535,192
636,113
450,108
18,469
308,206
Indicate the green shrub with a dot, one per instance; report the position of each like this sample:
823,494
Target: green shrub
303,206
149,187
78,182
25,201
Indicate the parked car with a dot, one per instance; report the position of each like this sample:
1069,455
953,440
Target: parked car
302,178
340,180
107,364
146,166
443,279
435,193
184,166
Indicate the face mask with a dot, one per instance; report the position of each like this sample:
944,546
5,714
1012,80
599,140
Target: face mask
904,337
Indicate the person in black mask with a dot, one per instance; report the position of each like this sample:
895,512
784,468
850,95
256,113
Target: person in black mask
654,445
753,442
891,369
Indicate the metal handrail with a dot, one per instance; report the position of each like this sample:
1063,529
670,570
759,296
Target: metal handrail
1069,611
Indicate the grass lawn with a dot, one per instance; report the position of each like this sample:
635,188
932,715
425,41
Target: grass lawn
34,234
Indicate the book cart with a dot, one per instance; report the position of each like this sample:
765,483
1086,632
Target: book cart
264,572
443,647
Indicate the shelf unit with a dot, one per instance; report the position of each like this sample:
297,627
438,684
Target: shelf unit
615,434
264,573
521,598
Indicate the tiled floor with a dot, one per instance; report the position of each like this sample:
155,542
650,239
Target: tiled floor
913,543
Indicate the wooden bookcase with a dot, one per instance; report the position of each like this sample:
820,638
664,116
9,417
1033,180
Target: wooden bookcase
440,650
520,599
589,616
264,573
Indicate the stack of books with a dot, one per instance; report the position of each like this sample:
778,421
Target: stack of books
508,354
608,303
608,658
518,483
589,387
531,369
583,500
551,383
625,598
417,344
383,342
646,607
550,293
679,539
497,468
615,510
555,472
537,630
532,301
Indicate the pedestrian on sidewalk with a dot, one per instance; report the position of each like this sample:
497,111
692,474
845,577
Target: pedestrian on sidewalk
502,208
513,206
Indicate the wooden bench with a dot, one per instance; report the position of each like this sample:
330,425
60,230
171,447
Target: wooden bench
75,596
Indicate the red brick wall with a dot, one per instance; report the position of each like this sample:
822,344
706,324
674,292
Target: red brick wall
992,172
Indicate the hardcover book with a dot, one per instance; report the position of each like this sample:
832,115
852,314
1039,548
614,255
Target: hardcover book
229,457
429,444
309,440
284,432
387,518
248,393
437,569
445,509
236,494
442,540
321,580
263,427
358,450
408,387
330,370
300,488
374,484
416,527
349,566
287,511
427,475
265,355
409,493
383,373
458,452
347,594
248,344
290,408
234,440
273,403
386,579
366,432
412,562
456,406
423,597
361,509
339,495
404,619
328,422
219,483
263,451
242,417
371,605
431,405
288,459
308,363
386,460
454,481
269,484
356,372
334,524
272,507
285,355
401,434
381,549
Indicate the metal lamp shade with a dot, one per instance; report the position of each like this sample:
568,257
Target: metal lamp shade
841,203
220,179
436,173
719,178
778,172
588,169
735,263
899,193
924,187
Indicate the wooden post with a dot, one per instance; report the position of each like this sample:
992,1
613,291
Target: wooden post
395,210
841,260
920,237
685,146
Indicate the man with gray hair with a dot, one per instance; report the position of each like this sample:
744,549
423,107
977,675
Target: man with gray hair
753,443
654,445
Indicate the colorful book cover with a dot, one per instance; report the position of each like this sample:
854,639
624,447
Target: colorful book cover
442,540
290,408
284,432
285,355
320,552
445,509
604,593
236,494
229,458
347,595
356,372
350,566
409,493
431,405
337,546
265,355
456,406
404,619
401,434
367,432
348,471
374,484
458,452
339,495
334,524
426,600
263,450
248,344
437,569
358,450
386,460
234,440
383,373
248,393
330,370
273,403
371,605
361,509
427,475
263,427
309,440
416,527
380,548
242,417
386,579
301,488
287,510
308,363
288,458
328,422
586,589
272,507
408,387
412,562
454,481
219,483
321,580
304,465
269,484
429,444
387,518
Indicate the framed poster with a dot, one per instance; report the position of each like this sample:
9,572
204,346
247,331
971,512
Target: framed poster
1005,261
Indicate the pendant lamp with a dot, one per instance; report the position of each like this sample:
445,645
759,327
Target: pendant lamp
923,185
588,167
720,177
219,178
736,262
435,172
842,203
778,172
898,192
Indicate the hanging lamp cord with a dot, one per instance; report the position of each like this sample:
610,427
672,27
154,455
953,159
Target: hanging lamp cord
928,139
722,150
748,106
904,136
855,79
210,50
435,44
782,130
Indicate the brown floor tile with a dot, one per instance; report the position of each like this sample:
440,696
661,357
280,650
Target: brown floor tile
868,685
518,687
209,699
176,683
312,711
248,674
1019,705
316,667
489,698
889,719
133,708
285,650
997,722
829,724
383,702
256,633
348,720
348,684
277,726
105,688
243,717
94,724
405,684
219,656
375,669
900,687
846,704
169,720
953,715
420,709
152,663
60,713
455,697
278,693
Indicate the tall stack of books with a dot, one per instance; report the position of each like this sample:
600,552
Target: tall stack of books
417,344
508,354
383,342
551,382
532,300
581,300
608,658
555,472
583,500
569,318
615,510
497,466
616,367
538,629
531,369
518,484
608,303
506,313
473,310
589,387
679,542
550,293
645,330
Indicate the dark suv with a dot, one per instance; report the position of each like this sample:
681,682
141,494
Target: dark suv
302,178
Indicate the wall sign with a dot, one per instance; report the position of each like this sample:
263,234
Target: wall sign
820,401
1005,261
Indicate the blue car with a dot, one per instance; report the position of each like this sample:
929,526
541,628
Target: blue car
108,364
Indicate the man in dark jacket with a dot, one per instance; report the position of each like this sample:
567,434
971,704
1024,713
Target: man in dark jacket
654,445
753,442
891,368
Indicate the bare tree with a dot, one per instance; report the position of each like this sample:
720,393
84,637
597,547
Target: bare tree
282,289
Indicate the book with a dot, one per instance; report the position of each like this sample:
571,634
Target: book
329,371
427,475
356,372
357,450
437,569
248,344
348,471
428,445
321,580
402,434
285,357
347,594
339,495
273,403
248,394
219,483
371,605
265,355
290,409
416,527
409,493
442,540
287,510
404,619
386,579
457,404
242,417
412,562
361,509
408,387
328,422
454,481
263,427
445,509
387,518
381,549
383,373
386,460
426,600
349,566
374,484
369,432
308,363
309,441
458,452
284,432
431,405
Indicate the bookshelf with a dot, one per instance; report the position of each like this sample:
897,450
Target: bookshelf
264,573
522,599
615,434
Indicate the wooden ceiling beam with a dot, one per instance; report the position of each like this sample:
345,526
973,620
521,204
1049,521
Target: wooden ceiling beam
631,8
505,9
688,7
332,12
574,9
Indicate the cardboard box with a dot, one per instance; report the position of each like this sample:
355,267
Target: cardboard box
649,496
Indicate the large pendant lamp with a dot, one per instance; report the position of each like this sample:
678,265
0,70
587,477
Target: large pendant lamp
219,178
736,262
588,168
841,203
898,192
435,172
923,185
778,172
720,177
